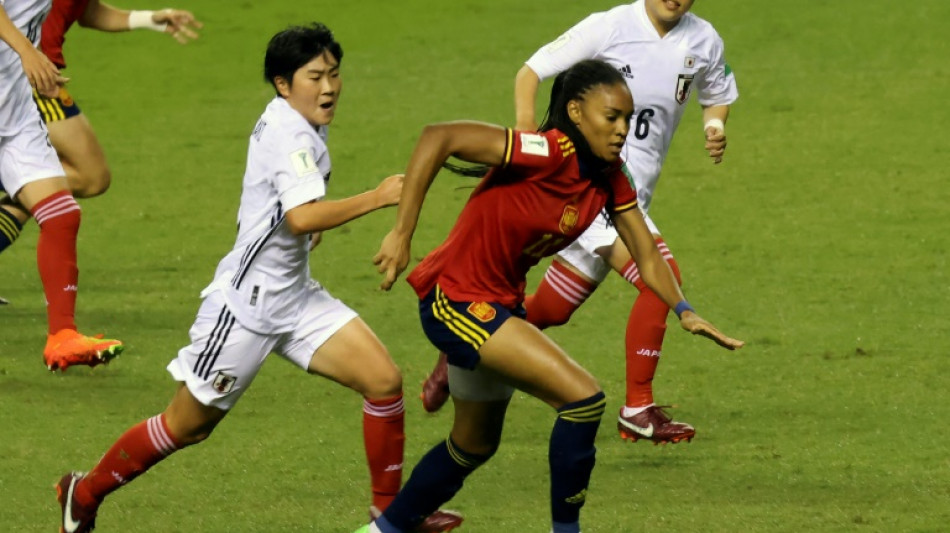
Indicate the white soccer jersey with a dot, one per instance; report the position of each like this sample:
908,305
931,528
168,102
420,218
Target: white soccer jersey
265,276
16,101
661,74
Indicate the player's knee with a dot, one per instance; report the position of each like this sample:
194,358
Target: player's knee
91,182
384,382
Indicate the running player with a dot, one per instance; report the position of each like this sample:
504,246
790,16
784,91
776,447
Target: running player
545,188
72,136
32,175
664,53
262,299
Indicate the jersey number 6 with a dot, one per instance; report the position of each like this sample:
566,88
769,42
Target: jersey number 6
642,128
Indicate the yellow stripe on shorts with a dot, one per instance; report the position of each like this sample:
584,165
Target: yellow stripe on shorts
461,326
8,229
50,108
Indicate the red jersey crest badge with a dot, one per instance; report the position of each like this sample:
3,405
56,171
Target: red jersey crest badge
568,219
482,311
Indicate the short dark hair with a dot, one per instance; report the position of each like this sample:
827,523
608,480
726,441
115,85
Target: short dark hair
295,47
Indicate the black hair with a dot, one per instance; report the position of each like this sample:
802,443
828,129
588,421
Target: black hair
573,84
295,47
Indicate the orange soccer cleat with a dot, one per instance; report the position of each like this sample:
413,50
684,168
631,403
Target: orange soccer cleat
68,347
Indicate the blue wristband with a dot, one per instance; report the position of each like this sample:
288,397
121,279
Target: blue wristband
682,307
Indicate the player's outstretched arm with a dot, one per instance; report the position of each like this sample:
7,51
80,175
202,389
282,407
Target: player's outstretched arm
39,70
178,23
327,214
714,128
657,275
475,142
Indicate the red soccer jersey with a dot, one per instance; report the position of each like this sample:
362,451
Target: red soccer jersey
531,207
63,14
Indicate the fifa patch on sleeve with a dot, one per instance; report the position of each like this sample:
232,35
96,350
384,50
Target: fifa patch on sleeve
303,162
558,43
534,144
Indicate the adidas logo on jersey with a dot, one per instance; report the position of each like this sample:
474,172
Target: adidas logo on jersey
627,72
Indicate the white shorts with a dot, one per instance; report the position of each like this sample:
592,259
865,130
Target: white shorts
477,385
26,157
582,253
224,357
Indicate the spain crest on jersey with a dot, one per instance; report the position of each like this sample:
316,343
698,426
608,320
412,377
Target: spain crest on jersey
684,84
482,311
568,219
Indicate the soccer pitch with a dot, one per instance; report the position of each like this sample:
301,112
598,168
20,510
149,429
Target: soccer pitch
822,240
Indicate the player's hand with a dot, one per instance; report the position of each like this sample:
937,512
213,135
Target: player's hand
392,258
696,325
715,144
389,190
181,24
41,72
315,239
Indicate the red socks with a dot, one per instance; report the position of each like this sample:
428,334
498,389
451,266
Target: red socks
384,438
558,295
137,450
58,217
645,330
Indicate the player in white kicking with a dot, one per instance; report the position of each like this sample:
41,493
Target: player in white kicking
665,53
262,299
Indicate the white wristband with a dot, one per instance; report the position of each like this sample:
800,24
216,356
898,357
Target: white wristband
143,19
714,123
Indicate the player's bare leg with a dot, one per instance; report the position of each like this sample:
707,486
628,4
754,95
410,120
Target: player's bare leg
81,155
355,357
641,418
546,307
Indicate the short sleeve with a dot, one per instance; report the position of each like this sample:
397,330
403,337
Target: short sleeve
297,176
624,196
583,41
531,150
716,84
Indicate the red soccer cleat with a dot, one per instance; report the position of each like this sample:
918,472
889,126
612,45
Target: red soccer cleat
435,389
440,521
654,424
76,518
68,347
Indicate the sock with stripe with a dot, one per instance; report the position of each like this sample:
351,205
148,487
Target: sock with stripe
571,457
137,450
558,295
9,229
58,216
434,481
646,328
384,438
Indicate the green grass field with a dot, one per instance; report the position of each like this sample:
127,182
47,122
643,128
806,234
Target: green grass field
822,240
